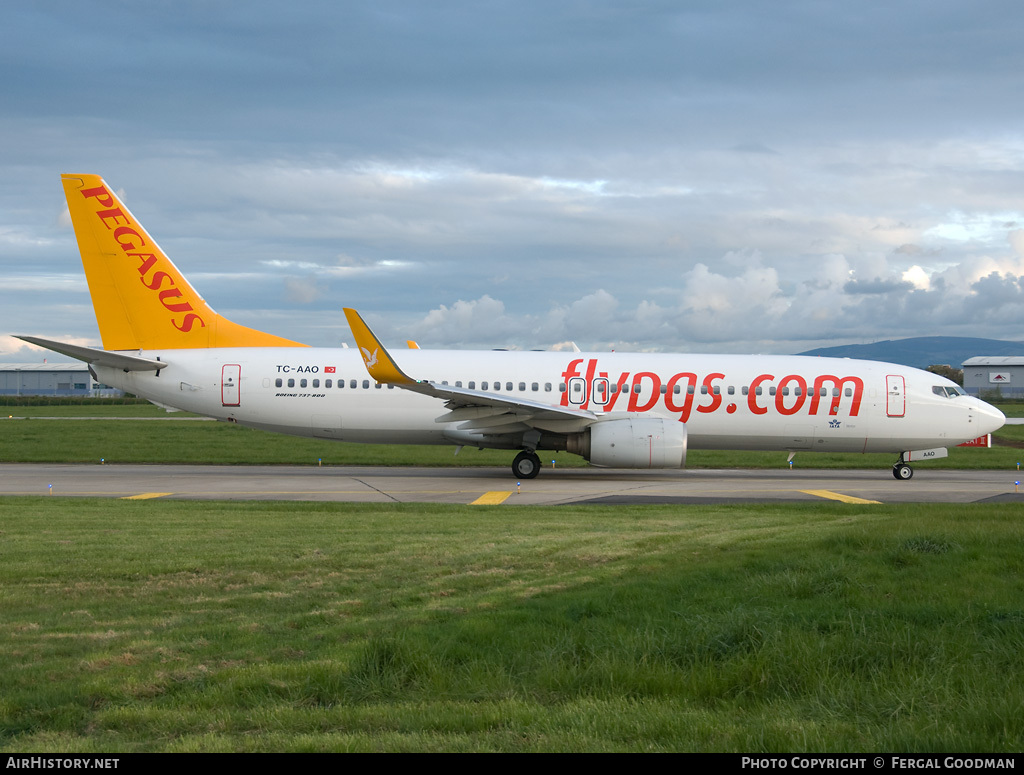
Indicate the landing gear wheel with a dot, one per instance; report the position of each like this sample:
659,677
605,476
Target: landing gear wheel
526,465
902,471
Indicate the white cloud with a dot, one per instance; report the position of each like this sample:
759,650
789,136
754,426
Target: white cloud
523,174
917,277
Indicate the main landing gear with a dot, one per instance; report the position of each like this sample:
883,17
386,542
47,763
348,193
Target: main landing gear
526,465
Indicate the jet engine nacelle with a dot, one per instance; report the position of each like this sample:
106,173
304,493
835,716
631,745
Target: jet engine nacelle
634,442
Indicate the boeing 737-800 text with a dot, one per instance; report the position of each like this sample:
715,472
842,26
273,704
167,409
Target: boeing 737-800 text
163,342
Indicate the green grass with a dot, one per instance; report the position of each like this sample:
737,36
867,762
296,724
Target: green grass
173,626
190,441
98,410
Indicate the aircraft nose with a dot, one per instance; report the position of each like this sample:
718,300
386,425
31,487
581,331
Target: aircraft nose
989,418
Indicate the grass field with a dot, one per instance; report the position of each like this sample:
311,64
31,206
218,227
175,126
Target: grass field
168,439
173,626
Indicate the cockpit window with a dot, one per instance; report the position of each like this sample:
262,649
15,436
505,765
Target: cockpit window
948,391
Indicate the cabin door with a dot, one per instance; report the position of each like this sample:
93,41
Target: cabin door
230,377
895,396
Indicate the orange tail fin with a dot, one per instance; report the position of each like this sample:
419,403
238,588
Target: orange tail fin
141,299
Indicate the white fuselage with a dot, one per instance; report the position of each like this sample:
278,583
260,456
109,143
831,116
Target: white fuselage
726,401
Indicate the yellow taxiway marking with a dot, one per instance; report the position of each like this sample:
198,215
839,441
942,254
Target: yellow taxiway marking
491,498
145,496
837,496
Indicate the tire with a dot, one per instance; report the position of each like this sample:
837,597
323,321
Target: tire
526,465
902,471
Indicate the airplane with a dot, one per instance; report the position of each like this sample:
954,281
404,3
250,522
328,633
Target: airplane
163,342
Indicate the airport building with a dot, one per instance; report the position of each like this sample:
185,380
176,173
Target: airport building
993,376
50,379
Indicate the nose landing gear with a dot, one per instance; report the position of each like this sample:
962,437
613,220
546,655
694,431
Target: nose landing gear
902,471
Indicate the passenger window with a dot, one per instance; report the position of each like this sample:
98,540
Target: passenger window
328,383
302,383
377,385
508,386
472,385
716,390
522,386
353,384
291,383
278,382
561,387
785,391
535,387
316,383
849,392
483,386
636,388
732,390
458,383
664,389
746,390
366,384
690,390
703,390
771,390
547,387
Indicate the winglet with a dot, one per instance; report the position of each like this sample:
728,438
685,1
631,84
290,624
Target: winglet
378,360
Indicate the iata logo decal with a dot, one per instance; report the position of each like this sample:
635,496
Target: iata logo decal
596,390
132,243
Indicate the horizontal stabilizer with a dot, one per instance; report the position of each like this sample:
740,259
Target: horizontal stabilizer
99,357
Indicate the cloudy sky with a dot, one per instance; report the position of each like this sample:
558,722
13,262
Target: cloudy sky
705,176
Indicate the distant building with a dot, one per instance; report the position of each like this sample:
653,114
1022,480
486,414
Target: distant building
987,375
50,379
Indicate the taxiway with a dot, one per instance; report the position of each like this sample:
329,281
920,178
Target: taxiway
495,486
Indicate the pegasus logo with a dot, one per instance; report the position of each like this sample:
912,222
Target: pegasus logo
133,244
370,358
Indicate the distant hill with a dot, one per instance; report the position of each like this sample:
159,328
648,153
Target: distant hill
923,351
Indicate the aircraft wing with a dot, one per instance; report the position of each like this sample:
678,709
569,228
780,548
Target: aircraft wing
475,410
100,357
